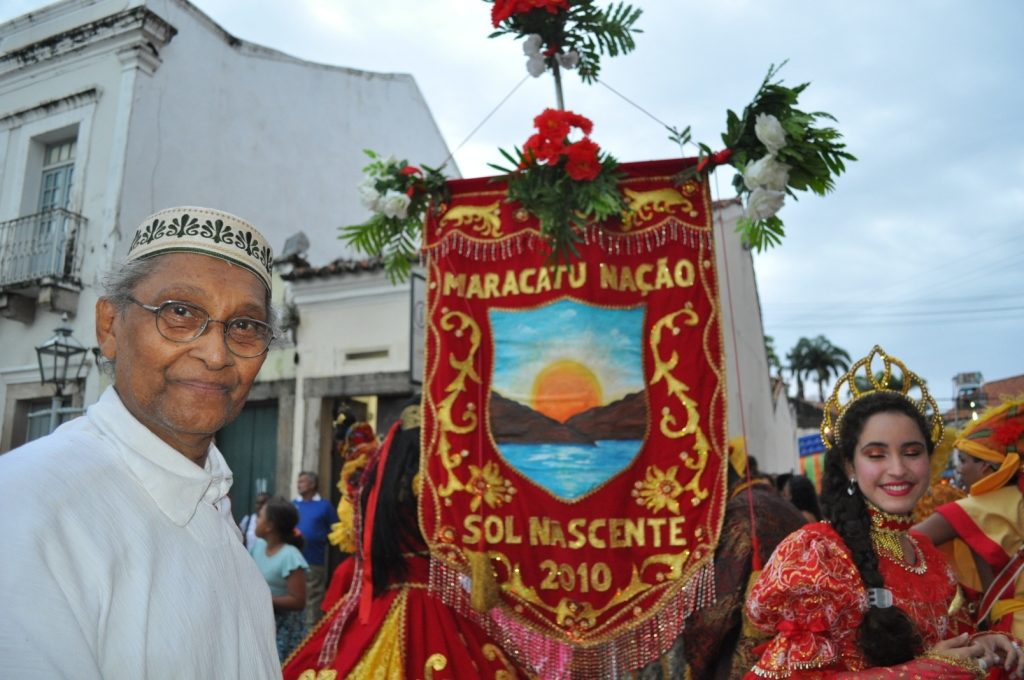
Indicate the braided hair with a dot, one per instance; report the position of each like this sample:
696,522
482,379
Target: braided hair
887,636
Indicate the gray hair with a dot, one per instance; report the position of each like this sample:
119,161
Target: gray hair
120,283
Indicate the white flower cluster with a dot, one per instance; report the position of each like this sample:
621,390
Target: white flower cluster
766,178
535,62
391,203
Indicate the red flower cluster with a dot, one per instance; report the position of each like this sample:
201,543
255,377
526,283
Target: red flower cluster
550,144
503,9
1008,433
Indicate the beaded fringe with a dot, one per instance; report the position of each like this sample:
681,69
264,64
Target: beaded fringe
637,243
560,660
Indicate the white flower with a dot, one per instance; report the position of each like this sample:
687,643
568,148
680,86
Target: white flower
769,132
569,60
394,204
764,203
368,194
536,66
532,44
768,173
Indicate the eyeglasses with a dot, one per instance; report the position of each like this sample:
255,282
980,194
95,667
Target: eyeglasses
184,322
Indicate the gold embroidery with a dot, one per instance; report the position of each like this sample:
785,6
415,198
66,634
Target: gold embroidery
459,323
488,485
677,388
493,653
644,205
659,489
483,219
435,662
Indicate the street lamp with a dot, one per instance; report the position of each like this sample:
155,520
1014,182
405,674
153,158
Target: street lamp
61,361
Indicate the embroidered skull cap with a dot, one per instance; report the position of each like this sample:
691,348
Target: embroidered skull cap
205,231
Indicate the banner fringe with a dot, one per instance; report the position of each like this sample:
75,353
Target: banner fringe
630,243
560,660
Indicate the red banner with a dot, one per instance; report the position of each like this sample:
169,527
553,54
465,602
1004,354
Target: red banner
574,422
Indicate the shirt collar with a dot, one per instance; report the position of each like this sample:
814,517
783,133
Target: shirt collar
176,484
316,497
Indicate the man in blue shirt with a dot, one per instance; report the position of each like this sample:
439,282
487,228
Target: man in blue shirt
316,516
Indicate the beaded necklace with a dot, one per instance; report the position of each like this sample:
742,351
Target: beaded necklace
887,532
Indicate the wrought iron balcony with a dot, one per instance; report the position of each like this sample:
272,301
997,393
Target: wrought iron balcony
41,247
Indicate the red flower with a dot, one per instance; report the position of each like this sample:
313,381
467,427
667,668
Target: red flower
410,170
553,124
552,6
543,150
582,163
504,9
717,158
1008,433
576,120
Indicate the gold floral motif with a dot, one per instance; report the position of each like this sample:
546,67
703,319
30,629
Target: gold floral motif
673,561
663,371
659,489
493,653
573,615
483,219
644,205
435,662
458,323
312,674
487,485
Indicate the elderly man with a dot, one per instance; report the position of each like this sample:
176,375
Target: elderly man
121,559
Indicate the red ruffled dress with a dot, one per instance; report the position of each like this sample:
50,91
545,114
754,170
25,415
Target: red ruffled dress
810,597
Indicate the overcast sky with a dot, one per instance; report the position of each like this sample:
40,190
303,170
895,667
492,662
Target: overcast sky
918,249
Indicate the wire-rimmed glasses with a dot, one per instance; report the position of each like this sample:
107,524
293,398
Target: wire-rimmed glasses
184,322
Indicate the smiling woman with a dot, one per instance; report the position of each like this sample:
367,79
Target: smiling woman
860,591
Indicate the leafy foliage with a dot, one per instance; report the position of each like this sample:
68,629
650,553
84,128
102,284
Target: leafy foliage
584,28
561,204
393,231
814,153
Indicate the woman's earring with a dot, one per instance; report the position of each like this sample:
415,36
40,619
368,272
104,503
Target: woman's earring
851,486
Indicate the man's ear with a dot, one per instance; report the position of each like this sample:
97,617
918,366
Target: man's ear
106,328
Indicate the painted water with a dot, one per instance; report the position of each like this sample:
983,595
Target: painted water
571,470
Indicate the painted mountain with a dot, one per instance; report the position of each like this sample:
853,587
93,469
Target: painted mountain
513,422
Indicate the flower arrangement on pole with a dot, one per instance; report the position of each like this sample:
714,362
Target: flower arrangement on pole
569,34
399,195
777,150
564,183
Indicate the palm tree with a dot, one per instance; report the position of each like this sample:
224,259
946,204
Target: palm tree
772,355
798,364
817,358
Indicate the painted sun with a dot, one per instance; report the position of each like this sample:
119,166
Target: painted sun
564,388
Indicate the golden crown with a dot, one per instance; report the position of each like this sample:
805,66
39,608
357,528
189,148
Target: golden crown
863,379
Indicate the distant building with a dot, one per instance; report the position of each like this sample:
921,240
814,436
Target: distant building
974,395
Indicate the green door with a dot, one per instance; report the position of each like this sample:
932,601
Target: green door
249,445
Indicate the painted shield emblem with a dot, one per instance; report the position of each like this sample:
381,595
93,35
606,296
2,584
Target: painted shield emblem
567,404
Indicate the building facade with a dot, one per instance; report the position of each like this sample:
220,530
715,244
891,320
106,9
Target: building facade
111,110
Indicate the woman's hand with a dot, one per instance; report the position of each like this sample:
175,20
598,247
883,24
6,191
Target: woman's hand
1000,649
960,646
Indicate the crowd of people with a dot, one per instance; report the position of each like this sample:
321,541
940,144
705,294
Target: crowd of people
126,562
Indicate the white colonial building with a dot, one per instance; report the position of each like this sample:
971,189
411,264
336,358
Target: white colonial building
113,109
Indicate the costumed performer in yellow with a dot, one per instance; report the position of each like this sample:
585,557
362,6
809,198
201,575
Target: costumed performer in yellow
991,519
858,595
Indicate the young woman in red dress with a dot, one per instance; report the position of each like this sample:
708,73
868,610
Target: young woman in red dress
858,595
